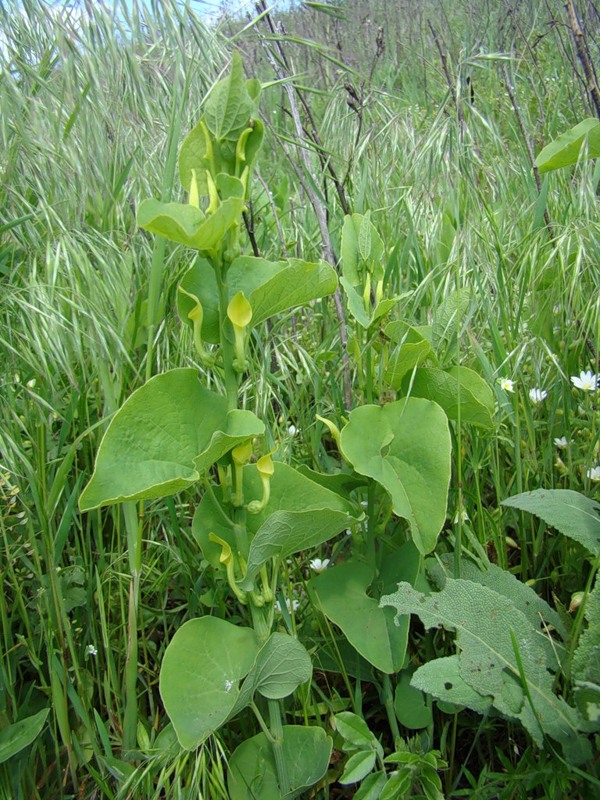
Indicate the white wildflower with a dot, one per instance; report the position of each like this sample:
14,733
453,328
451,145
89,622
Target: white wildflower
507,385
586,381
91,650
318,565
291,605
593,473
537,395
561,442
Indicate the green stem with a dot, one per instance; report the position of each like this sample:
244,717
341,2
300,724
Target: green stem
276,726
387,696
134,545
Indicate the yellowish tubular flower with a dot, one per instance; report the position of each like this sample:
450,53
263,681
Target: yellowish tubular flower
240,456
239,312
196,315
227,558
266,468
333,430
213,195
209,155
367,292
194,195
242,453
379,291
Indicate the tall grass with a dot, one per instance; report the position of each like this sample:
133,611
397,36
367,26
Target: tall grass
88,99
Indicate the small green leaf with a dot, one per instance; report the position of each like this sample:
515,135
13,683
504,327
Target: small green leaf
571,513
442,679
252,771
163,438
566,149
370,788
355,732
19,735
405,446
410,704
229,105
358,767
200,675
397,786
193,156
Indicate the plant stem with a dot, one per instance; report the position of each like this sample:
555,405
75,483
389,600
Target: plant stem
276,726
387,697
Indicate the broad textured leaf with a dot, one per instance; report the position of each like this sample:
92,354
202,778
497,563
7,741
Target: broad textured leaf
535,608
566,149
485,623
200,675
586,661
19,735
341,593
458,390
441,678
252,772
571,513
188,225
405,446
270,286
163,438
360,243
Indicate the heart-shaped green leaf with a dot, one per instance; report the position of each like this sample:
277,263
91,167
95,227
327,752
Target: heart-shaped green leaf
252,772
405,446
281,666
231,102
341,594
200,675
163,438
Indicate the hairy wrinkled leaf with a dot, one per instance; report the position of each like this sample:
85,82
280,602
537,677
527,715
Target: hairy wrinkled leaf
488,628
571,513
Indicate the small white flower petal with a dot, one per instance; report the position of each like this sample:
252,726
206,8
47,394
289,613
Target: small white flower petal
561,442
318,565
507,385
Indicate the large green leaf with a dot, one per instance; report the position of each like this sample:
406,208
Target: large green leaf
414,348
362,249
441,678
252,773
566,149
405,446
270,286
187,224
163,438
571,513
17,736
200,675
460,391
300,514
496,643
341,594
